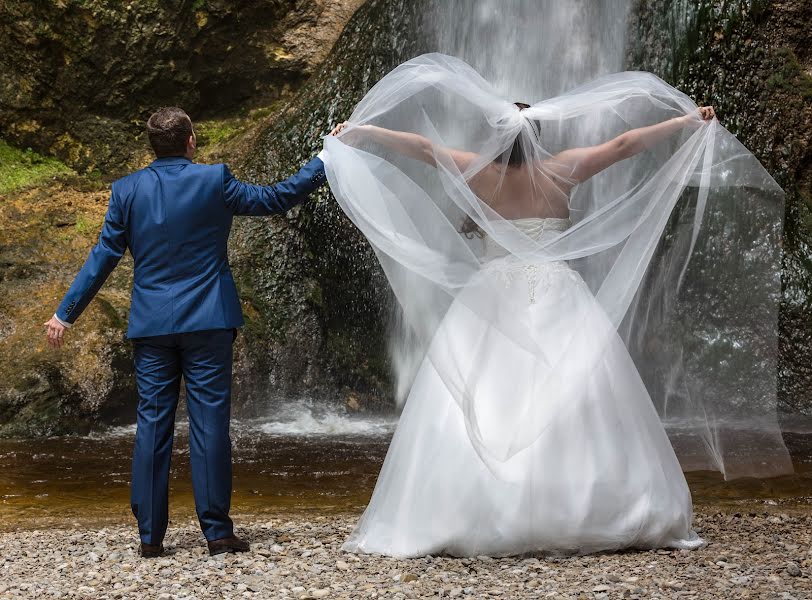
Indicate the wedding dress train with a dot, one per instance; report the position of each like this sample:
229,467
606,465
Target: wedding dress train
601,476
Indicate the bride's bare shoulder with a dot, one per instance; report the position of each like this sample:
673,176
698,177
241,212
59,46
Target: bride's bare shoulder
558,171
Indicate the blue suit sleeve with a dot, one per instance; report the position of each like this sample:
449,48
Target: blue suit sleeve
100,263
249,199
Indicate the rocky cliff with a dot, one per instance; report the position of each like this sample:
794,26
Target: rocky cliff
752,60
264,82
75,83
78,77
316,300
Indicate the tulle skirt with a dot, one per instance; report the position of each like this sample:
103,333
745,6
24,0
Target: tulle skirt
597,472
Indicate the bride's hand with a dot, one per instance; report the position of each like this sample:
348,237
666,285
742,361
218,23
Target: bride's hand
694,119
352,133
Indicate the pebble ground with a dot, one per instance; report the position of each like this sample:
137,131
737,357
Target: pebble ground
748,555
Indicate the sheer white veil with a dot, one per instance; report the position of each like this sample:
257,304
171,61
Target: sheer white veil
702,332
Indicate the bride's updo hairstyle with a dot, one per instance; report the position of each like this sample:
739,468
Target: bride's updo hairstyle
514,157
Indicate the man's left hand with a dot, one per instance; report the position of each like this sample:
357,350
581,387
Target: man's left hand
55,331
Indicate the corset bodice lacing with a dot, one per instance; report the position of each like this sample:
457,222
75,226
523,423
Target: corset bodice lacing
538,274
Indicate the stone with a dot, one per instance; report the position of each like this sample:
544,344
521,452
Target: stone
185,574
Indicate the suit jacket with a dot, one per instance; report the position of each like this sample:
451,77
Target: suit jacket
175,218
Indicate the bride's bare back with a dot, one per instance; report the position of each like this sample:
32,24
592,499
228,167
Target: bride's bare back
529,190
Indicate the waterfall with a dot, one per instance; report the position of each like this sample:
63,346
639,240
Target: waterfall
529,50
533,49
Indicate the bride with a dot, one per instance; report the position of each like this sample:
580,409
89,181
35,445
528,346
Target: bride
517,239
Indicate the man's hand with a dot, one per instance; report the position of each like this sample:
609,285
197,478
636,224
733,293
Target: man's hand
338,128
55,332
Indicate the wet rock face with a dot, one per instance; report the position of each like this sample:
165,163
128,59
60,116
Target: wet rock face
44,236
79,77
74,82
46,230
316,302
753,62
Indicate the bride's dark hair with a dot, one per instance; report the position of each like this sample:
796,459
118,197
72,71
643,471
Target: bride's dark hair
513,157
516,155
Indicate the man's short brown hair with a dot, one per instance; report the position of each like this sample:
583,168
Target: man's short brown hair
168,130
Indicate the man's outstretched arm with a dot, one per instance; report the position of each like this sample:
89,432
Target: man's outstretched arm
100,263
257,200
249,199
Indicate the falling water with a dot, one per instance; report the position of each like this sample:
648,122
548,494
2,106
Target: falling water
533,49
529,50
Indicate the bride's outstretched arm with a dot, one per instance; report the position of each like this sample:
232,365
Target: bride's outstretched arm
412,145
579,164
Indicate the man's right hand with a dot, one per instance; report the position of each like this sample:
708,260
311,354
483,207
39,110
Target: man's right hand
338,128
55,332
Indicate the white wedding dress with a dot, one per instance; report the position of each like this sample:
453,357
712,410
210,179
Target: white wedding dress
601,475
550,353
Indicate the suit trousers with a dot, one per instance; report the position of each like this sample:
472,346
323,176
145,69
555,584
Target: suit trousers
204,359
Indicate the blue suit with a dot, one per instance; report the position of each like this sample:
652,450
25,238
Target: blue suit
175,218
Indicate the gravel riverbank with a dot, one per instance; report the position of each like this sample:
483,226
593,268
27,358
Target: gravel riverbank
749,555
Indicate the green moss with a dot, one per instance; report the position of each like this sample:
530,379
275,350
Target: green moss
789,75
24,168
220,139
264,111
84,226
362,359
111,313
210,133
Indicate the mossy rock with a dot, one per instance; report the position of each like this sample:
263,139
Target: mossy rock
752,61
78,78
45,232
314,298
26,168
317,303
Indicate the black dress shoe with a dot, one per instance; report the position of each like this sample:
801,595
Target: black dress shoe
150,550
229,544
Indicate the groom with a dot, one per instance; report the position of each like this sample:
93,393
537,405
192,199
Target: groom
175,217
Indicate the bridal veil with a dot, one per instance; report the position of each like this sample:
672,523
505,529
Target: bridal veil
679,245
